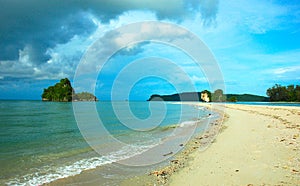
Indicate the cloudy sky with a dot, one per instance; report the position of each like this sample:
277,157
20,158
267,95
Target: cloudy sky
255,44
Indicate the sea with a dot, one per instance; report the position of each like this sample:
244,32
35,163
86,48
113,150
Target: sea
100,143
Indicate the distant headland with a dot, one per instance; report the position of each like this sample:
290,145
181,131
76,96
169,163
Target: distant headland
64,92
207,96
277,93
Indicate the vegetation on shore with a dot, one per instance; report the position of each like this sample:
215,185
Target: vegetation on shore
64,92
246,98
290,93
216,96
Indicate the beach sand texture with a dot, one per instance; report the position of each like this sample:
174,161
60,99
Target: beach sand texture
257,145
260,146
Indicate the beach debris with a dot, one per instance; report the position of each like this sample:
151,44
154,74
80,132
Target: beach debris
175,161
159,173
161,177
168,154
237,170
294,170
295,136
282,140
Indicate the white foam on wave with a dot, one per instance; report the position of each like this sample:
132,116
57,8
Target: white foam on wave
187,123
48,174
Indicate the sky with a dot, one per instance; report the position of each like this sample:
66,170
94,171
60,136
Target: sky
255,45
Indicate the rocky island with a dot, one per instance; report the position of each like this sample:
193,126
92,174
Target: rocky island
64,92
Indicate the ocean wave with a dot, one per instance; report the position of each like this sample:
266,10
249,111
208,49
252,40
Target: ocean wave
48,174
187,123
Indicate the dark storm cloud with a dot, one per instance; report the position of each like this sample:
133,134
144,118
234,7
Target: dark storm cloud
42,24
39,25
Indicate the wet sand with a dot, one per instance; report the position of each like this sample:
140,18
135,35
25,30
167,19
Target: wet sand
182,159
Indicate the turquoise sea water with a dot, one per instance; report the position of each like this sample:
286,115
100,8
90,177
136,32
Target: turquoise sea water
41,141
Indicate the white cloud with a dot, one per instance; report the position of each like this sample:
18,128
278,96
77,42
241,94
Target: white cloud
284,70
197,79
25,56
21,68
127,37
233,26
62,62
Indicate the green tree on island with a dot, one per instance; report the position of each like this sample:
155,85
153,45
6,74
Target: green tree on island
63,92
232,99
288,93
297,92
218,96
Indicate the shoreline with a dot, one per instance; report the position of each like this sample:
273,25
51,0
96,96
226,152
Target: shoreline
257,145
199,142
89,176
246,145
260,146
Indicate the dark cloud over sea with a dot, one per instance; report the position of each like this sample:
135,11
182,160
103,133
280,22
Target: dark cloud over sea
42,24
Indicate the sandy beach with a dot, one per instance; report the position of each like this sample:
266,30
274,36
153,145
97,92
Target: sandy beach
255,145
250,145
259,146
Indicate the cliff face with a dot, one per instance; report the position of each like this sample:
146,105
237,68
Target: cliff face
64,92
205,97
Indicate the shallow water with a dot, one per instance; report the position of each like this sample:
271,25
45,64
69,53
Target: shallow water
41,141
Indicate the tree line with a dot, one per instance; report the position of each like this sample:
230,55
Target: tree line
290,93
61,91
216,96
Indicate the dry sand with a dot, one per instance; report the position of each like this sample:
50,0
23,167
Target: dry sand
260,146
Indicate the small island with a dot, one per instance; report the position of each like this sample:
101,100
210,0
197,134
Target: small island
64,92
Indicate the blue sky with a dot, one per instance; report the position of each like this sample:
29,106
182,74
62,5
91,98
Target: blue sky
255,43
